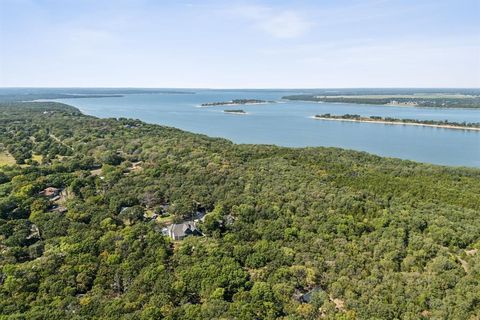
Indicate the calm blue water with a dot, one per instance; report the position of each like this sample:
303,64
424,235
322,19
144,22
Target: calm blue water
289,123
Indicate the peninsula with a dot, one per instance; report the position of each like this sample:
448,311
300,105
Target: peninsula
39,94
411,122
424,100
235,102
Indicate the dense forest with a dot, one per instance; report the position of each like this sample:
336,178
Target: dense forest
302,233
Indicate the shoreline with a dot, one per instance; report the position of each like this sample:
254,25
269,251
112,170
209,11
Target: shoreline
446,126
90,112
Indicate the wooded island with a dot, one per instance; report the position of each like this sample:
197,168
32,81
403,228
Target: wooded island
235,102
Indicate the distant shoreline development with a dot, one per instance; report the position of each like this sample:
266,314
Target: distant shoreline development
392,121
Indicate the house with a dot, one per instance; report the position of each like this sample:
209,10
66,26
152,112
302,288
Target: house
152,216
50,192
307,297
124,209
179,231
59,209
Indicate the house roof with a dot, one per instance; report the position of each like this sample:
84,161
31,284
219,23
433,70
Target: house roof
50,191
181,229
307,297
124,209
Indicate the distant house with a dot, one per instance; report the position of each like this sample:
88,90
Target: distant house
307,297
152,217
59,209
179,231
50,192
124,209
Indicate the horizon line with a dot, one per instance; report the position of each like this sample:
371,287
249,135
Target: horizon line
223,88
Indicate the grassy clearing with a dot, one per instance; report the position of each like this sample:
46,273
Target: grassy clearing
6,159
165,220
37,157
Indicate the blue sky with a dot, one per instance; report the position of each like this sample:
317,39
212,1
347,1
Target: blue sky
240,44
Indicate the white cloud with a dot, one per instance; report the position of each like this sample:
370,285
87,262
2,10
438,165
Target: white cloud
277,23
437,62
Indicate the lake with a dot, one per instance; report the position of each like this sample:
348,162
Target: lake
288,123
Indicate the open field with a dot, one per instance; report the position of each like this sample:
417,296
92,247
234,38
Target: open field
6,158
37,157
165,219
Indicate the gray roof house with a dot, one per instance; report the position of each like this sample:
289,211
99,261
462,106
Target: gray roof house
179,231
307,297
